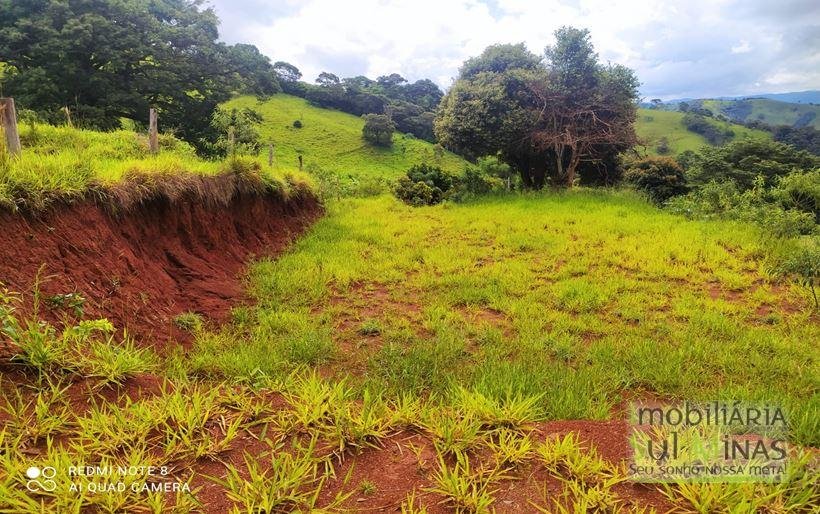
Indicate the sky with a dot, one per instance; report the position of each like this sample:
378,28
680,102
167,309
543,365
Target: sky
679,49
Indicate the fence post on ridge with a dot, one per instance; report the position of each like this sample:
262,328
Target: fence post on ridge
8,121
153,138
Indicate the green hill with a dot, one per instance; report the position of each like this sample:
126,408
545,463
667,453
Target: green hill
768,111
652,125
333,140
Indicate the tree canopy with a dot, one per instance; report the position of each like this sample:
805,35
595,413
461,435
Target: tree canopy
548,118
112,59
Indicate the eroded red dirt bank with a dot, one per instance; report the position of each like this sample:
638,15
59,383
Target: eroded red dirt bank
142,267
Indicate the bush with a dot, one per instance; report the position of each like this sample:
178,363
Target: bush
378,129
477,181
804,264
663,146
800,191
659,177
700,125
297,124
757,205
423,185
744,160
416,193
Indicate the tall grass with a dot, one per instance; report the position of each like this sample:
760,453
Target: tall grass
64,164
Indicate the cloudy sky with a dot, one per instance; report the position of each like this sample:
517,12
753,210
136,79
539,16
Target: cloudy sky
687,48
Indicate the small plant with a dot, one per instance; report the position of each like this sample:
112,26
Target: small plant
73,301
370,327
804,264
297,124
368,488
189,321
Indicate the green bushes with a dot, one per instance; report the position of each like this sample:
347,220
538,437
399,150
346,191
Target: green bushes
428,185
659,177
423,185
757,205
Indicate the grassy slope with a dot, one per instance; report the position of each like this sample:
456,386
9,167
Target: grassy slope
333,140
570,295
770,111
654,124
64,163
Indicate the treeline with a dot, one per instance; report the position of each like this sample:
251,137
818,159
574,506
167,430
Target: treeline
94,63
410,106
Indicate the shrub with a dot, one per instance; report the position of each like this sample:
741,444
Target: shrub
297,124
663,146
416,193
744,160
659,177
804,264
433,176
757,205
800,191
378,129
476,181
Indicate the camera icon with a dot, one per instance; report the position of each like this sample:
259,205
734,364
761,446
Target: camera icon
41,479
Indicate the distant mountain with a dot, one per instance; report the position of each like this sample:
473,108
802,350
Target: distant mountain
801,97
797,97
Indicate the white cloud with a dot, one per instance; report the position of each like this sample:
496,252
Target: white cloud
678,48
742,47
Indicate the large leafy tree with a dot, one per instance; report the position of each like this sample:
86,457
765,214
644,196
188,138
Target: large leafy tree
546,118
112,59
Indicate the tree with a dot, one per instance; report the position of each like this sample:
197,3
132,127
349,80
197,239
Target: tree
326,79
255,74
544,118
656,103
112,59
744,160
378,129
587,110
286,71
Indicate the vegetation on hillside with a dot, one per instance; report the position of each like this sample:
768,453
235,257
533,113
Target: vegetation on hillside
332,140
98,62
64,164
654,126
771,112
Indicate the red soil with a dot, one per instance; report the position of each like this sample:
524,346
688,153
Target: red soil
144,266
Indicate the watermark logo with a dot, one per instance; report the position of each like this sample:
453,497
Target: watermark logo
41,479
708,442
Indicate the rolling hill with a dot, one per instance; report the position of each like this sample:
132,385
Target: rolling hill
768,111
333,140
652,125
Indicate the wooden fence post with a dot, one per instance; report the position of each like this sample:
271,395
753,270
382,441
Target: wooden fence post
232,140
68,116
153,138
270,155
8,121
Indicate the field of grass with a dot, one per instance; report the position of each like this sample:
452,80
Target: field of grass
767,111
652,125
449,334
65,164
572,298
333,140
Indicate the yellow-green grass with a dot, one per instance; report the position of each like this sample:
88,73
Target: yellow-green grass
333,140
652,125
769,111
65,163
578,299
